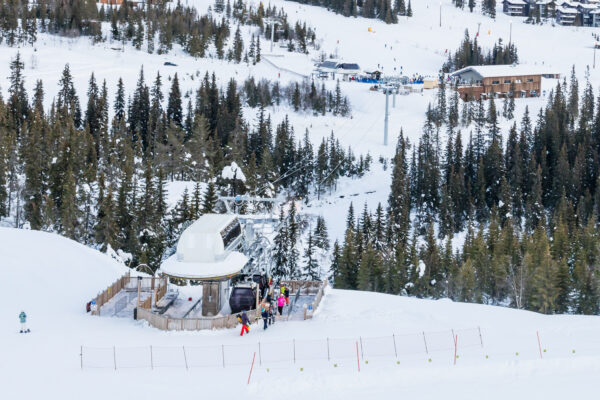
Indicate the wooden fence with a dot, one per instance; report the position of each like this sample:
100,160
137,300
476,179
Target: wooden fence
110,292
306,287
229,321
309,313
157,287
190,324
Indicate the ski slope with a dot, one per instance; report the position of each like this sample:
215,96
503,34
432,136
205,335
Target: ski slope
51,278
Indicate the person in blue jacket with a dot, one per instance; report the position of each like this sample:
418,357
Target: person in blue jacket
23,320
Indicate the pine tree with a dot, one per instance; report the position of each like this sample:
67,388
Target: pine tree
210,199
311,266
174,106
334,268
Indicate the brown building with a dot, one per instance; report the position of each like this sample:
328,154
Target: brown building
484,81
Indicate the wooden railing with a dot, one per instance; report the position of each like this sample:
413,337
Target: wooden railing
110,292
190,324
160,292
306,287
309,313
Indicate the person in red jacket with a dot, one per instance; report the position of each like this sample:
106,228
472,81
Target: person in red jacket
245,323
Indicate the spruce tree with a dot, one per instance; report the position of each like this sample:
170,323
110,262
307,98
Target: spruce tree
210,199
311,265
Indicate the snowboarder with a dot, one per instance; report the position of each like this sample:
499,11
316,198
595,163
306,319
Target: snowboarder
287,296
245,323
280,304
23,320
264,313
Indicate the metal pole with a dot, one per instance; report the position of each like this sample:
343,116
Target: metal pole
394,98
115,357
395,350
425,340
594,56
81,356
185,358
139,289
385,126
272,35
151,359
328,358
440,15
259,355
362,354
510,35
480,337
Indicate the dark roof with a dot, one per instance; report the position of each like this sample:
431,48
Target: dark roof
328,64
348,66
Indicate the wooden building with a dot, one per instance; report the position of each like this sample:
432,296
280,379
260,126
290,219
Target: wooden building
484,81
515,8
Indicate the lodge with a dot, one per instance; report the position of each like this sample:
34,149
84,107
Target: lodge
485,81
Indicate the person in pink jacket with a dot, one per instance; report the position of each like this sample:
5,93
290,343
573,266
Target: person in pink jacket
280,303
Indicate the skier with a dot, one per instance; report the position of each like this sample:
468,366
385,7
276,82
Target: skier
245,323
287,296
23,319
280,304
264,313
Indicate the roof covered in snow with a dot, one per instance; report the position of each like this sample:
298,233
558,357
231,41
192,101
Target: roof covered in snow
202,250
492,71
564,10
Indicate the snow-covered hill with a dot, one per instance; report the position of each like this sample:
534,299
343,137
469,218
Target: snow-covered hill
51,278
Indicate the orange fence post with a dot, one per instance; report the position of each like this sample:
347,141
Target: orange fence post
251,367
357,359
455,347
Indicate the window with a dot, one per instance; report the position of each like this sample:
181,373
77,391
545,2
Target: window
529,80
495,82
507,81
517,81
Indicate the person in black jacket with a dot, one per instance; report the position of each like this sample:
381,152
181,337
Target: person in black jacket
271,313
264,313
245,323
287,296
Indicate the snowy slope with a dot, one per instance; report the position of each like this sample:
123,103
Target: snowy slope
51,278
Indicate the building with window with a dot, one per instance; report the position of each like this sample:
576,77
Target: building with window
515,8
485,81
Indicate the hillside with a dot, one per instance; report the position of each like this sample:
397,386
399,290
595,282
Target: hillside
46,363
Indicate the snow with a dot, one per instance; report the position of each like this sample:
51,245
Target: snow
233,171
51,278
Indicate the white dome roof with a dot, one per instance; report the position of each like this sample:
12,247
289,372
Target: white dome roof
201,252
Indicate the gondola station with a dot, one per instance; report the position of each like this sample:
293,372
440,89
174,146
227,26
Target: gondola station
207,253
220,268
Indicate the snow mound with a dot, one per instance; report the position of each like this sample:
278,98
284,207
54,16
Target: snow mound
49,276
233,171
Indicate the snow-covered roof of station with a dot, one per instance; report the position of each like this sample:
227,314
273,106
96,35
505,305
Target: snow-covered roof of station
492,71
202,250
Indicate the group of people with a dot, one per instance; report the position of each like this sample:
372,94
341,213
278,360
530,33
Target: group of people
274,298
